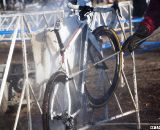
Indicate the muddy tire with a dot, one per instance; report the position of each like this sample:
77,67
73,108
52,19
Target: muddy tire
102,80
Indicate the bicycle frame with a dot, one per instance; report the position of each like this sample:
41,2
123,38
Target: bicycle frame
87,38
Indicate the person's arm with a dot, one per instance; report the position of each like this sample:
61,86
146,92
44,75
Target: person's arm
147,26
152,16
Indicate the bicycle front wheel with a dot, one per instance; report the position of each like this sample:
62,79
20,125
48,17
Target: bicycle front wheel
57,104
102,79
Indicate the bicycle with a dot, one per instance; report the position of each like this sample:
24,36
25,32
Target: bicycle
68,94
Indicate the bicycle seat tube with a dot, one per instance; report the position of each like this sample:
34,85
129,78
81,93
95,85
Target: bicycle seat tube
56,30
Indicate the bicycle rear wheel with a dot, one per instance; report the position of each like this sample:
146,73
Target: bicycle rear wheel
58,104
102,79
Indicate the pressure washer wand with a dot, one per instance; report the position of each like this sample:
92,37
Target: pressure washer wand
104,59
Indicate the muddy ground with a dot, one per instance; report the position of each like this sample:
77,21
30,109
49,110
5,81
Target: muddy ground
148,81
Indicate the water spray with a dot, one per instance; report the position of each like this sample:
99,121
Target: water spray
107,58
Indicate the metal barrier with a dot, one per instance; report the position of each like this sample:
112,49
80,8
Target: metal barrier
33,22
20,27
110,18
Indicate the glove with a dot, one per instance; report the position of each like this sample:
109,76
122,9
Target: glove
136,39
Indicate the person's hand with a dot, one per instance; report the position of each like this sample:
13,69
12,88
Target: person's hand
136,39
131,43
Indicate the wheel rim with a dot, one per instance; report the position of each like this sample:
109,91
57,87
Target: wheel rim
100,79
108,49
59,104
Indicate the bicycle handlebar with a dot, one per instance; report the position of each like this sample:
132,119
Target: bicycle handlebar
72,6
84,9
87,9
